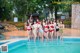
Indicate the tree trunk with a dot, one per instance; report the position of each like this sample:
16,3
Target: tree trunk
56,12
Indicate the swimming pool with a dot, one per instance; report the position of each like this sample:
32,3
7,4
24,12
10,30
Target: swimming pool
68,45
3,42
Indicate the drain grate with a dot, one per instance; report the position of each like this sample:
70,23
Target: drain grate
4,48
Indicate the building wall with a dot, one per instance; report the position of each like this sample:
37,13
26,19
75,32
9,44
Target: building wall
75,16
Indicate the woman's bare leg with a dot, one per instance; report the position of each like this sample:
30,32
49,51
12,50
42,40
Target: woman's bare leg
29,35
46,36
58,34
51,35
35,35
61,34
41,36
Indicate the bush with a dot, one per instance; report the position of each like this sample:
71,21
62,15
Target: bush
17,24
67,22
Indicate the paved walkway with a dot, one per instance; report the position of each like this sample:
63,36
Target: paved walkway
72,32
16,33
67,33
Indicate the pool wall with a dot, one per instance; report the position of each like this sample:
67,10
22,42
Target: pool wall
13,44
16,44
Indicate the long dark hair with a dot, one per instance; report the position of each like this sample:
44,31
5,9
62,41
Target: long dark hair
27,23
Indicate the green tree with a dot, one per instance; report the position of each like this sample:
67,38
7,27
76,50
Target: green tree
5,9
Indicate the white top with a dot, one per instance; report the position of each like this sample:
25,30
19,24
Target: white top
39,26
57,27
54,25
35,26
28,27
43,23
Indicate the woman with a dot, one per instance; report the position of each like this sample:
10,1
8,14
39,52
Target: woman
46,30
61,30
51,29
54,23
38,23
28,28
34,30
43,22
41,32
57,30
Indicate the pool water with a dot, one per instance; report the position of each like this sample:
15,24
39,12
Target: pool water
54,46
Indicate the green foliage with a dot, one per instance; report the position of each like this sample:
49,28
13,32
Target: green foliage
42,17
5,9
76,0
67,22
24,7
17,24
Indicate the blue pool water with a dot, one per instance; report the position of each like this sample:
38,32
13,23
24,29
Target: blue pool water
55,46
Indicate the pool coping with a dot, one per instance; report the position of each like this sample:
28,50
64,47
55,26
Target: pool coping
12,41
70,37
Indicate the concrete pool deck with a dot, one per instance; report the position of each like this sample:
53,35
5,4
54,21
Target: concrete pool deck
67,32
20,33
71,32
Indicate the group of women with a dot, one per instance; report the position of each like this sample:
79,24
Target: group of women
43,29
